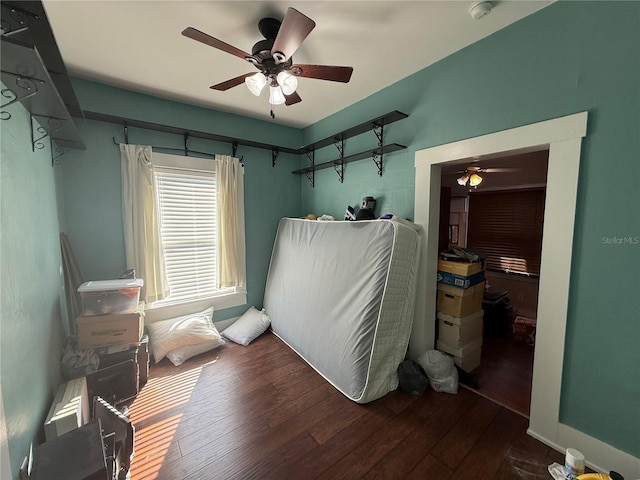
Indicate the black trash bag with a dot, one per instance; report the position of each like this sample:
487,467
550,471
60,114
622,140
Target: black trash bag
412,380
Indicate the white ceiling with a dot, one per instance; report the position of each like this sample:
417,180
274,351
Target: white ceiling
138,45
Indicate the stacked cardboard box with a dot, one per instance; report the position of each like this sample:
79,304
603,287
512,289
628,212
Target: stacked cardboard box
112,326
111,314
459,302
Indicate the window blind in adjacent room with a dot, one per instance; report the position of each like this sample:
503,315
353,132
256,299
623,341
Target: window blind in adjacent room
507,227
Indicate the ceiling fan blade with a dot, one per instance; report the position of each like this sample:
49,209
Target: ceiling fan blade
292,99
294,29
214,42
226,85
323,72
500,170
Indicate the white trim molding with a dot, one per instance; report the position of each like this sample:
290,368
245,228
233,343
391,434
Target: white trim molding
563,138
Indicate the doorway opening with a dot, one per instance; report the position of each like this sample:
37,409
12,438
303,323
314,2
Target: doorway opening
501,216
562,137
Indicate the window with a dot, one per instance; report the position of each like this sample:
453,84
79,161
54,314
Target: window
507,228
186,199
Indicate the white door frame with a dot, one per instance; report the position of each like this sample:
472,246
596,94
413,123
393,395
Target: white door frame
563,137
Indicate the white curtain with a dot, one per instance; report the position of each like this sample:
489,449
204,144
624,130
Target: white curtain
141,227
231,250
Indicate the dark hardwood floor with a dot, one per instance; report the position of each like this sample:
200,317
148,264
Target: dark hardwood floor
260,412
505,373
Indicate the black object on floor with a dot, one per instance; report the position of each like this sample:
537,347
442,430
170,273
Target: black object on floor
411,378
467,379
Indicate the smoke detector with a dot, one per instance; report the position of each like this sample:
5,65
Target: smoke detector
480,9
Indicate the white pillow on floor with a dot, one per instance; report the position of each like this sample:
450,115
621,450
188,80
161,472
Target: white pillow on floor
182,354
248,327
187,330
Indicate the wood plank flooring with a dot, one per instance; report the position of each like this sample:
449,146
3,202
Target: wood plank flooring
505,372
260,412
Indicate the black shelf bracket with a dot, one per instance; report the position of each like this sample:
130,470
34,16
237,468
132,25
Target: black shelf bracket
234,148
27,81
56,153
27,86
376,125
274,155
15,20
311,170
338,165
186,144
53,125
377,158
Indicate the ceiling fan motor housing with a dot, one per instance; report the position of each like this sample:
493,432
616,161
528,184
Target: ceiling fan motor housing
261,52
269,28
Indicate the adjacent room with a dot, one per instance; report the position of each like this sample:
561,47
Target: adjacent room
317,239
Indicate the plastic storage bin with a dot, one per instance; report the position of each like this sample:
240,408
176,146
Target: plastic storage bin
110,297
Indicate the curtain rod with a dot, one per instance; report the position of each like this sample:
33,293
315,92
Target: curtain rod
186,150
128,122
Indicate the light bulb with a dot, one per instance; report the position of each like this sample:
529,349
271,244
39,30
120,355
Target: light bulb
462,181
289,83
475,180
255,83
276,97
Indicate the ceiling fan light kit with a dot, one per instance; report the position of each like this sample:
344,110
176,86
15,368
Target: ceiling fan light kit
462,181
273,57
470,175
276,96
287,82
475,180
255,83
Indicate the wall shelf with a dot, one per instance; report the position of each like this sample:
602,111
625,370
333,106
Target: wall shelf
27,81
392,147
376,154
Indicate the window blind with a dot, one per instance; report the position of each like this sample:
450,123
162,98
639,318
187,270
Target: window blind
187,204
507,228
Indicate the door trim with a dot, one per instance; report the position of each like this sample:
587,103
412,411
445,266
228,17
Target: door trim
563,137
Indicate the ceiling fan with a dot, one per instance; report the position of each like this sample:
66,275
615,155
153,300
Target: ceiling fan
472,174
273,58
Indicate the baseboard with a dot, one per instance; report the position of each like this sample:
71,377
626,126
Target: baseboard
600,456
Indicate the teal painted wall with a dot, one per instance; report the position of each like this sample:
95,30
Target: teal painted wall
31,328
92,198
567,58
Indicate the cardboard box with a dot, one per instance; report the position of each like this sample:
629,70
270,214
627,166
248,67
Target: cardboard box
69,409
460,281
524,329
459,302
109,330
466,357
459,331
460,268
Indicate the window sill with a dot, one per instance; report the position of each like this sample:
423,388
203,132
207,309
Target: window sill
154,314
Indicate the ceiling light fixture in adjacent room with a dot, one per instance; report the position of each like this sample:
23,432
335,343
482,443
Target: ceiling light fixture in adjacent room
475,180
462,181
471,176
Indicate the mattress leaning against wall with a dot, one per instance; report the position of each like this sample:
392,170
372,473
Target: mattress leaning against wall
342,295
